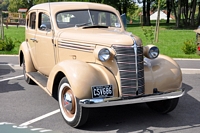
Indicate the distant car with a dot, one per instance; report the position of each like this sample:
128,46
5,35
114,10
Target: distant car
80,54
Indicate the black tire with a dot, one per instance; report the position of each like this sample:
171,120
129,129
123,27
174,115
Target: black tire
26,78
164,106
76,116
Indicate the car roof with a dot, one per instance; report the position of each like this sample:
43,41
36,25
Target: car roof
59,6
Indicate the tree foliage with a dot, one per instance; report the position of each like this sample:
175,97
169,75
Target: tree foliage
4,4
186,12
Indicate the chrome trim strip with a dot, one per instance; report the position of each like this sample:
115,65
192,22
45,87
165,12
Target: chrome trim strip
104,102
76,46
136,62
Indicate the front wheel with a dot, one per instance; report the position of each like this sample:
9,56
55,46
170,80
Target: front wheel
163,106
72,112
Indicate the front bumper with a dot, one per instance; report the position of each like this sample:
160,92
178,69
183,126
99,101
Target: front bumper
103,102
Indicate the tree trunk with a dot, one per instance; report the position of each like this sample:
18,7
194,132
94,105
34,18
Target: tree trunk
125,7
169,9
193,12
148,13
119,8
179,14
184,10
198,16
144,12
174,9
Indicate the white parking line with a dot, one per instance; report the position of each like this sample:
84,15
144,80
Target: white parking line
11,78
40,118
190,71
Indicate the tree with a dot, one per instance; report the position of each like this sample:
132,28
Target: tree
4,5
169,9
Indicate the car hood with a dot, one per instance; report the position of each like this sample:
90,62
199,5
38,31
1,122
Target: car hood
99,36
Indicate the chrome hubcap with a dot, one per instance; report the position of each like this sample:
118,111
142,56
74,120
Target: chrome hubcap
67,102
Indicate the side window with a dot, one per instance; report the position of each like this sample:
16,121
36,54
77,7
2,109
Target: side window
109,19
114,21
27,21
102,18
105,18
44,22
32,20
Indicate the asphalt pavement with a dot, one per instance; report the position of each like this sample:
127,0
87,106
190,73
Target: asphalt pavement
29,105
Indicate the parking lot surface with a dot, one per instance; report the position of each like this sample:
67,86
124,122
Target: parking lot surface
28,105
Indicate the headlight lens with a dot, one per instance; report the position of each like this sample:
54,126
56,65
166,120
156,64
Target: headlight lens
153,52
104,54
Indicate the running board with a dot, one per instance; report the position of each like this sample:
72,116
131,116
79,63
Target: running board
38,78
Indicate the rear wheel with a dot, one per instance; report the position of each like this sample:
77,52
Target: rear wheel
27,79
163,106
72,112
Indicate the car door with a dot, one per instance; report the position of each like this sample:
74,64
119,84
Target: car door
30,35
45,48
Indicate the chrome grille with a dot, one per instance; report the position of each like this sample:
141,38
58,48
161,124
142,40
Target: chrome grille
132,80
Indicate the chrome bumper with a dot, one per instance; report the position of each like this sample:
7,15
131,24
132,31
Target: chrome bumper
103,102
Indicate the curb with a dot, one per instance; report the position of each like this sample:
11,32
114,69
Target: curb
172,58
190,71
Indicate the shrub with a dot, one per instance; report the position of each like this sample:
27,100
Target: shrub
149,34
189,47
7,44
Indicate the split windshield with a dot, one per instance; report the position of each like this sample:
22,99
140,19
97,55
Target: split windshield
87,18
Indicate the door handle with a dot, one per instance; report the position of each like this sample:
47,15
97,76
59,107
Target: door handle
33,39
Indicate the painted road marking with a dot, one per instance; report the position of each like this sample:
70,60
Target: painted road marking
5,126
11,78
190,71
40,118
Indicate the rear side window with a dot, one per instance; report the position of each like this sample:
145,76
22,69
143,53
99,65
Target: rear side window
32,20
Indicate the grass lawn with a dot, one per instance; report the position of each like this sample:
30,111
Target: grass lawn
18,36
170,42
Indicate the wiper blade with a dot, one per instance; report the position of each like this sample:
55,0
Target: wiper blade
95,26
83,24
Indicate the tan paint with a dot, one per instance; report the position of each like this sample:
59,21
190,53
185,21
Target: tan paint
28,60
76,55
162,73
82,76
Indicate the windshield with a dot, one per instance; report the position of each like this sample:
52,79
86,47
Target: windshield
81,18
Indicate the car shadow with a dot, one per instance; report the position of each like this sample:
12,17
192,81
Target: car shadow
6,85
139,118
5,68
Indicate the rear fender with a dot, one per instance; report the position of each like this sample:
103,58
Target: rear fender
82,76
162,73
25,53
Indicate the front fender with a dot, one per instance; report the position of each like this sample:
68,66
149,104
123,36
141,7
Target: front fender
162,73
24,53
82,76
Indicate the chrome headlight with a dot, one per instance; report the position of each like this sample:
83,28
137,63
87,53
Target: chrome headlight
153,52
104,54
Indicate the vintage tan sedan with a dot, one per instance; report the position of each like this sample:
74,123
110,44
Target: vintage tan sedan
80,54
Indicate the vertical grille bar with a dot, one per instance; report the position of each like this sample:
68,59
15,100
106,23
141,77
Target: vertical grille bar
131,70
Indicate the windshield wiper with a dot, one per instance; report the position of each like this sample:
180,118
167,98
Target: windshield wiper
95,26
83,24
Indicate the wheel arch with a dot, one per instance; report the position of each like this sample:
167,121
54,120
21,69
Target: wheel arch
25,53
81,77
162,73
56,82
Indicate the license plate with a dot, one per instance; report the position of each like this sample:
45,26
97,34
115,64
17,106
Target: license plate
102,91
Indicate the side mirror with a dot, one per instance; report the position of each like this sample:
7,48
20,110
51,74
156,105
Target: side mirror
43,27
